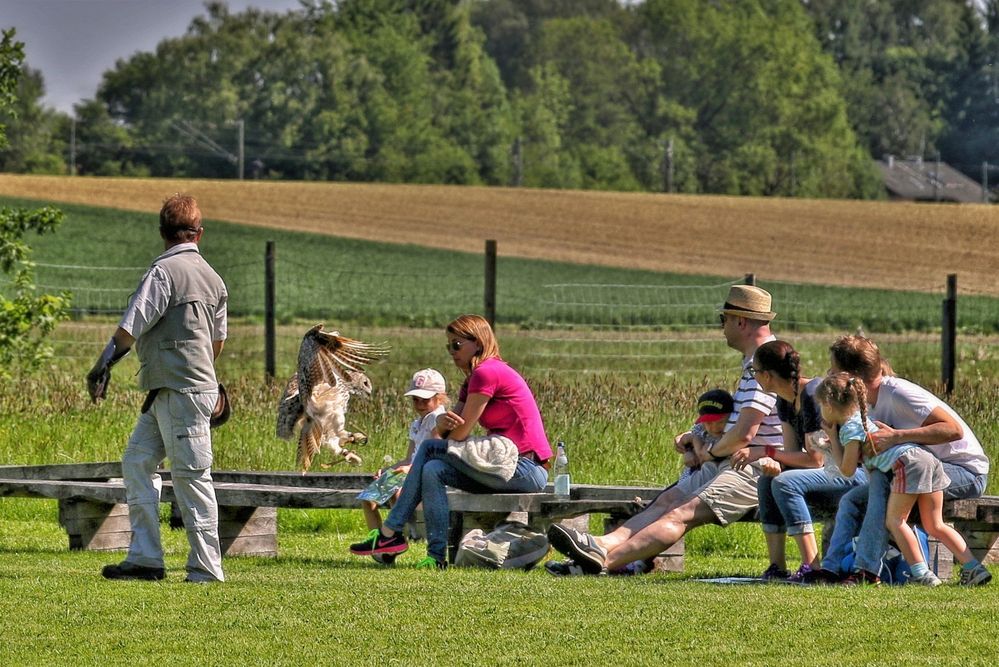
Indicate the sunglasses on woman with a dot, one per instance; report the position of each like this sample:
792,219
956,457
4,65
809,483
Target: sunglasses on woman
457,344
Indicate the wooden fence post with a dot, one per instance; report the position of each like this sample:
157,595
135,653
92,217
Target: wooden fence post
750,279
985,182
948,344
269,326
490,284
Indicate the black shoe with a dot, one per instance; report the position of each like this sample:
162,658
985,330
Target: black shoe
126,570
384,559
563,568
821,576
861,578
775,573
580,547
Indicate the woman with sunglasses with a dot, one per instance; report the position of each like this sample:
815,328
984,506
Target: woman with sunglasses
493,396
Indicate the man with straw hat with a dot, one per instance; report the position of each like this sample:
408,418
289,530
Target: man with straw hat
719,494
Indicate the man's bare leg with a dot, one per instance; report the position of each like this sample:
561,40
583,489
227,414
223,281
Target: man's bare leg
660,534
665,502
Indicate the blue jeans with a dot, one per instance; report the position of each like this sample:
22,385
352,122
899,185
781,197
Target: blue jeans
862,510
434,470
784,499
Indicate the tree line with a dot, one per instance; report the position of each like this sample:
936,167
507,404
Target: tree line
751,97
27,317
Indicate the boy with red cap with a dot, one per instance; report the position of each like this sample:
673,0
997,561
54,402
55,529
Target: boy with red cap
713,409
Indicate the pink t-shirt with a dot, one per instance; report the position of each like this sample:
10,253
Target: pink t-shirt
511,410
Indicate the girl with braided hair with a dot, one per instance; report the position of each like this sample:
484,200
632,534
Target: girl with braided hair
917,475
904,413
794,472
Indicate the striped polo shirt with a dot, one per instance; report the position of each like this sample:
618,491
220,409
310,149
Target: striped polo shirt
750,395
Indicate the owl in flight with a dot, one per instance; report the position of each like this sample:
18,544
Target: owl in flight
329,373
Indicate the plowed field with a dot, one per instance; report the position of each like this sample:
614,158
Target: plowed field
877,244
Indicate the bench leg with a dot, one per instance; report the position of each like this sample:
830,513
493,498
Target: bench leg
982,539
95,526
248,531
941,560
455,531
176,520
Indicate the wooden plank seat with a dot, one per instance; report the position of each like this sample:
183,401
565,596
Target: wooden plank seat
92,502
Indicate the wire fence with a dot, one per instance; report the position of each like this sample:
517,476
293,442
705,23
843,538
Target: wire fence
563,328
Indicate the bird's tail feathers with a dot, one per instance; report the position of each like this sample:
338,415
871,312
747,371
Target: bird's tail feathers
308,445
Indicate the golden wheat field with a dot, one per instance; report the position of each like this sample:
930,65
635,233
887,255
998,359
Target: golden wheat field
877,244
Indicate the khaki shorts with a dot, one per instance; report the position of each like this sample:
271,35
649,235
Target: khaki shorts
731,494
916,472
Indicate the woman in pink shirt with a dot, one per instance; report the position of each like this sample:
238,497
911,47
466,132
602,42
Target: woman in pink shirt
493,396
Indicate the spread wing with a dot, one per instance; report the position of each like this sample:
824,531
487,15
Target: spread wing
346,352
326,356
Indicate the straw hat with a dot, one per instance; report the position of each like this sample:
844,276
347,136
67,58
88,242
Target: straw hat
750,302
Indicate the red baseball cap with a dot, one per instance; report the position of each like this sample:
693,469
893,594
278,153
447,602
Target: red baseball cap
714,405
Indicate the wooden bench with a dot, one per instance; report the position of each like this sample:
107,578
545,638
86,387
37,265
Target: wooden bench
92,508
92,505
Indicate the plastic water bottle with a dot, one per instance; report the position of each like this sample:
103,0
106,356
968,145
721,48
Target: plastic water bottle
561,471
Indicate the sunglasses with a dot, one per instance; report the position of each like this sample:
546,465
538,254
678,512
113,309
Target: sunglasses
721,318
457,344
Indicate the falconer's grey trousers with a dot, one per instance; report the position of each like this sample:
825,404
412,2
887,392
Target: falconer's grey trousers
176,427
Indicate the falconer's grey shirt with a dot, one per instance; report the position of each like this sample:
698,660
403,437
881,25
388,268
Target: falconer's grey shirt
176,313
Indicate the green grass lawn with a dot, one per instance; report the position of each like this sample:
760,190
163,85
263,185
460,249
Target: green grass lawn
316,603
616,397
313,604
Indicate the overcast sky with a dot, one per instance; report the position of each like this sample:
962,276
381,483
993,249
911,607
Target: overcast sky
73,42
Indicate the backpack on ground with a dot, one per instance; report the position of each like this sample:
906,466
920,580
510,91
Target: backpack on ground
894,569
509,546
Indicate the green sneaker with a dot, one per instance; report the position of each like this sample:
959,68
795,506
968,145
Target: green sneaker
431,563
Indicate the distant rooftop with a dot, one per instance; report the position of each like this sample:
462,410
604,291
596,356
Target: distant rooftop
921,180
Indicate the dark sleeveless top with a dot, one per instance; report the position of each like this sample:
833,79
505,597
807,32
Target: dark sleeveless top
808,419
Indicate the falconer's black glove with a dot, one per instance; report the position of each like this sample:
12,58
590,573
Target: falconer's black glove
100,375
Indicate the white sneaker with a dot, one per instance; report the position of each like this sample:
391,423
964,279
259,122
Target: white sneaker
928,579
